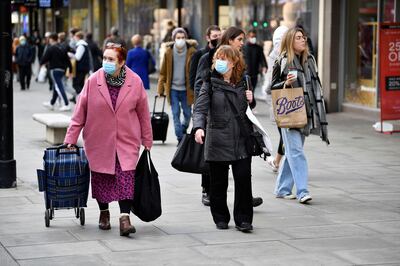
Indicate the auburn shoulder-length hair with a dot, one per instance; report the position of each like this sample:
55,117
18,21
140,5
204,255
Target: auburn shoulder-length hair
233,55
287,46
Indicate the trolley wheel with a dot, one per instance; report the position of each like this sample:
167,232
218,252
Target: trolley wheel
82,216
76,213
47,217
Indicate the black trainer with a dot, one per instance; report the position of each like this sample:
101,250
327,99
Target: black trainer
244,227
257,201
205,199
222,225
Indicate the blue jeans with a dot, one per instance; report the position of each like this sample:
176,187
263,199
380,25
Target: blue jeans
178,101
294,170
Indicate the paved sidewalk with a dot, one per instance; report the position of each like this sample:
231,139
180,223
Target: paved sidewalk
354,218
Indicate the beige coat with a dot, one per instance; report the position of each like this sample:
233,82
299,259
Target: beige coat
165,79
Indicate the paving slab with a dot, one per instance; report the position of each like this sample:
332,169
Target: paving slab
169,256
305,259
138,242
376,256
233,251
338,243
36,238
75,260
56,250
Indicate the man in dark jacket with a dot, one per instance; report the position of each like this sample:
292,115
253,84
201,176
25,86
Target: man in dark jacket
58,61
213,34
97,54
254,56
24,57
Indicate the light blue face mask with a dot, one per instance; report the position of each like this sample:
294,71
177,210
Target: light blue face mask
109,67
221,66
23,42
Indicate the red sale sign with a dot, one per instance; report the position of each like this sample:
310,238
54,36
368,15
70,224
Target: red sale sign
389,57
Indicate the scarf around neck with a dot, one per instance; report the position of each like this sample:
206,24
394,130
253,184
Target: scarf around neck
116,81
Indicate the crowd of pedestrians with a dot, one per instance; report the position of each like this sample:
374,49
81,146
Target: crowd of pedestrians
215,83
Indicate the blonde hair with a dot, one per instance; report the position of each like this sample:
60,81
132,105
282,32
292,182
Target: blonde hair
233,55
287,46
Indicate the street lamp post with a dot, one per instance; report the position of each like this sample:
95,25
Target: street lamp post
8,173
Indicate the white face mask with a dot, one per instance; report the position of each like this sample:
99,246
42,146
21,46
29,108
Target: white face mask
253,40
180,43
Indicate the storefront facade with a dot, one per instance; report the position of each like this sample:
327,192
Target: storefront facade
361,73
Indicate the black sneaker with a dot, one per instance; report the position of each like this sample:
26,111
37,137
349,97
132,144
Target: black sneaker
222,225
73,99
205,199
244,227
257,201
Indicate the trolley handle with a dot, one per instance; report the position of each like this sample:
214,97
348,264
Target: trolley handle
58,152
155,101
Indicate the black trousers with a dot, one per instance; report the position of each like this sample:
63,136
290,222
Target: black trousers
79,81
243,204
205,182
25,74
124,205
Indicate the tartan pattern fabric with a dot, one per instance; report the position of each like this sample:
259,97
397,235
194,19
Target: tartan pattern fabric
65,178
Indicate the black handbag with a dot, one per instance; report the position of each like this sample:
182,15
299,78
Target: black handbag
189,156
254,141
147,196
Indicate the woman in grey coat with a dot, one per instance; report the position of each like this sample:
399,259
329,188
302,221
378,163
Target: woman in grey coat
222,105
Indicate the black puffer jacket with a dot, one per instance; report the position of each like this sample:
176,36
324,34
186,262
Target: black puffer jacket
224,139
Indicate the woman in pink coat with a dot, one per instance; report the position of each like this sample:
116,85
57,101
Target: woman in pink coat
113,112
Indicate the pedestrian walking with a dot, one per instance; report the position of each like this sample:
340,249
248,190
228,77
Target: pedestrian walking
295,56
65,45
174,79
114,38
254,57
114,114
14,65
24,57
58,62
84,62
97,54
274,161
138,60
222,102
213,34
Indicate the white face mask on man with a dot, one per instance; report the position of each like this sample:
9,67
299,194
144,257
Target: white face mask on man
253,40
180,43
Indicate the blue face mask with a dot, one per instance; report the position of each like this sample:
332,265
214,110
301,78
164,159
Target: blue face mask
109,67
221,66
22,42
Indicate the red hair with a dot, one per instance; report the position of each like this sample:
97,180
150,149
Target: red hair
120,50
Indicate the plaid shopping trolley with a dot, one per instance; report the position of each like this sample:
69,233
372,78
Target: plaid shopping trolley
64,181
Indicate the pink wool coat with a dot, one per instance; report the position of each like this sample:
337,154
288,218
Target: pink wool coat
107,133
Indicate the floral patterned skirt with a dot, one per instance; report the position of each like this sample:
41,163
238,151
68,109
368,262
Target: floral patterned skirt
107,188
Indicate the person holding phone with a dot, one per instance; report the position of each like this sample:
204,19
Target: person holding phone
113,112
225,94
295,67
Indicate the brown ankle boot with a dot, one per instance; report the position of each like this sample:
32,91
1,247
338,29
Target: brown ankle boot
125,227
104,220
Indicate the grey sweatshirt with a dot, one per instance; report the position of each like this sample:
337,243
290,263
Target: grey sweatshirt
179,71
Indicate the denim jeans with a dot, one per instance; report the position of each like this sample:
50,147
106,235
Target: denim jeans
294,170
178,101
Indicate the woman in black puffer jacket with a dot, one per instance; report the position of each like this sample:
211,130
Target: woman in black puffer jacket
222,105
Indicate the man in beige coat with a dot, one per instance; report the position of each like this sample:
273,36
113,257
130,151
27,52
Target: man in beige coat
174,79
